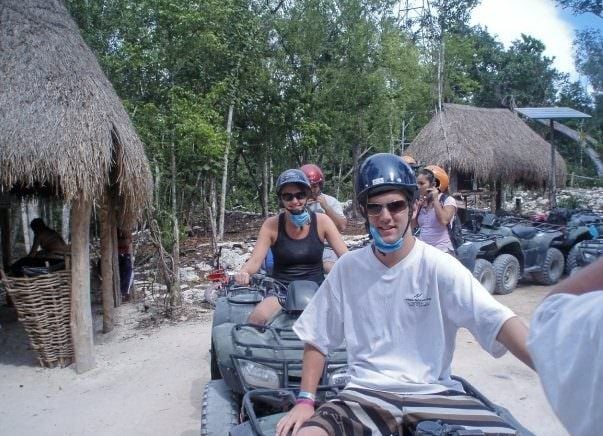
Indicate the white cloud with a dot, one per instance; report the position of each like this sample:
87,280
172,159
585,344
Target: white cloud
508,19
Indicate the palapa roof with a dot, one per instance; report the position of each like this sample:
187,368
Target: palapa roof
492,144
63,128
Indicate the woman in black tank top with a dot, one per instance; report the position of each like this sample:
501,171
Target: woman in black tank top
297,241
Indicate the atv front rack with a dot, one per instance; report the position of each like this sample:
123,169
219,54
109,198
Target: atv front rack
279,350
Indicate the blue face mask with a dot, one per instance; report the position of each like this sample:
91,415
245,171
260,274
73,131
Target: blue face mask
381,245
300,219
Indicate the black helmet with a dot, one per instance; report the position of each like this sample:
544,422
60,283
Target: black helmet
291,176
384,172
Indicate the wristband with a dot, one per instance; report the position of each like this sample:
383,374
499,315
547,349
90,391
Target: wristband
304,401
307,395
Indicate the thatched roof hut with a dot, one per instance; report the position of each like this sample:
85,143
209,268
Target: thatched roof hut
65,134
490,144
63,127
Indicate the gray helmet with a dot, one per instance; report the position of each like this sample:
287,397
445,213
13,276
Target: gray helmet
291,176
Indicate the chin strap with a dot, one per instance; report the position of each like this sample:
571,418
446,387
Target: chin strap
389,247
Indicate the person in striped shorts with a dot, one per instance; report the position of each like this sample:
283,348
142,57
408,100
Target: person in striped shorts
398,304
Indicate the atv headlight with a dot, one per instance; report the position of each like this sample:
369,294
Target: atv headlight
258,375
339,377
589,257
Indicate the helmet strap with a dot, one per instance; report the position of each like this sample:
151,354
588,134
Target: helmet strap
389,247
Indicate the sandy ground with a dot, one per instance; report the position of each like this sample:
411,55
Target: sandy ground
149,381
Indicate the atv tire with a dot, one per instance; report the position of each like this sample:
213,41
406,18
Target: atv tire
485,274
552,268
572,259
214,368
507,269
219,411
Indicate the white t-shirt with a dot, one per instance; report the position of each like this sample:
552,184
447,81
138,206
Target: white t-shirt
331,202
566,345
400,323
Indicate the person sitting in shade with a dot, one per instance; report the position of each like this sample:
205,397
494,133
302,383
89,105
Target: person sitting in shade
47,243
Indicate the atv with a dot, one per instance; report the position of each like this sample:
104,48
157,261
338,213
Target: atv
493,260
577,226
256,369
584,253
256,358
539,259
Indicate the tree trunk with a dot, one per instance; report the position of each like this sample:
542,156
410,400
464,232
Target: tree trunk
157,186
211,212
355,158
106,253
265,182
65,222
81,314
225,174
175,288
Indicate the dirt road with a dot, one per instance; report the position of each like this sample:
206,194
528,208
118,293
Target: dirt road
149,382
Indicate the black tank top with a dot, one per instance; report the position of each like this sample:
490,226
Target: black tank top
298,259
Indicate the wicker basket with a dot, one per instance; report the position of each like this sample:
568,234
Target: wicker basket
43,305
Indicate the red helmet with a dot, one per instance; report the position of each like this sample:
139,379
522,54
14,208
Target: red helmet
313,173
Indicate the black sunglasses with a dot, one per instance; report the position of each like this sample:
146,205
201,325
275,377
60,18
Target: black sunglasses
287,196
394,207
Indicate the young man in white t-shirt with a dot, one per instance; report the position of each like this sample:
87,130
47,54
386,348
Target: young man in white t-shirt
398,304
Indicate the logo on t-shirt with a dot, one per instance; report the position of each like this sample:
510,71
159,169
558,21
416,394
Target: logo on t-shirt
418,300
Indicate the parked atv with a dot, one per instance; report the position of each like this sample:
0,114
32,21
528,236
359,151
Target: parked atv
584,253
540,260
493,260
577,226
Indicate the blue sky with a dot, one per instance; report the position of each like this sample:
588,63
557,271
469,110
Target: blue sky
542,19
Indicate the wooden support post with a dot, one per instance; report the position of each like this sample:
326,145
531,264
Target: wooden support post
115,259
81,312
5,243
553,175
499,196
106,252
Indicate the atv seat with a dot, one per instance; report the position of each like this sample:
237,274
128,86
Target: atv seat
299,294
524,232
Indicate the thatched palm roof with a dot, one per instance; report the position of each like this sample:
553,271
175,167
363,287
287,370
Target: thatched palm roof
493,144
62,126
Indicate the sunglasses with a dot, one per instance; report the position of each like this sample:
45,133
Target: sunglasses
288,196
394,207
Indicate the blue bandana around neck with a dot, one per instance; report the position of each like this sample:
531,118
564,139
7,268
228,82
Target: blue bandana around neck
381,245
300,219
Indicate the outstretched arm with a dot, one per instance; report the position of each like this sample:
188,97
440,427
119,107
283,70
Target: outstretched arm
314,362
514,334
